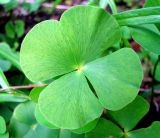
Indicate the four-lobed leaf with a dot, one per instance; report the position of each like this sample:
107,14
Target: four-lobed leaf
72,48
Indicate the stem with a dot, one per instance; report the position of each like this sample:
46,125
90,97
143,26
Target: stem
22,87
153,79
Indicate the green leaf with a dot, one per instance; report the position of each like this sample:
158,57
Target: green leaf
129,116
35,92
23,124
140,33
68,134
68,44
10,30
2,125
150,132
19,27
6,135
111,78
152,3
7,53
3,80
157,73
87,127
139,16
5,65
82,108
105,129
42,120
4,97
4,1
26,108
138,13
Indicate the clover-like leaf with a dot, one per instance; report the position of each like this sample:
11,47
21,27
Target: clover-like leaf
67,49
129,116
150,132
105,129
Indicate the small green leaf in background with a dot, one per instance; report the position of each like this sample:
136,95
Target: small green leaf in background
7,53
4,1
5,65
23,123
11,5
105,129
140,33
139,16
10,30
3,80
15,29
129,116
3,133
2,125
19,27
150,132
151,3
35,92
9,97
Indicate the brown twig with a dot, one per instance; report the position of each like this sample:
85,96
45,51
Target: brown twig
22,87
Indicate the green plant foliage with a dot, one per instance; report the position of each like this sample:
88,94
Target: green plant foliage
7,53
12,97
5,65
42,120
127,118
68,134
110,73
14,29
87,127
139,16
19,28
150,132
135,110
3,80
74,56
140,33
78,46
82,108
4,1
11,5
23,124
151,3
3,133
2,125
35,92
105,129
